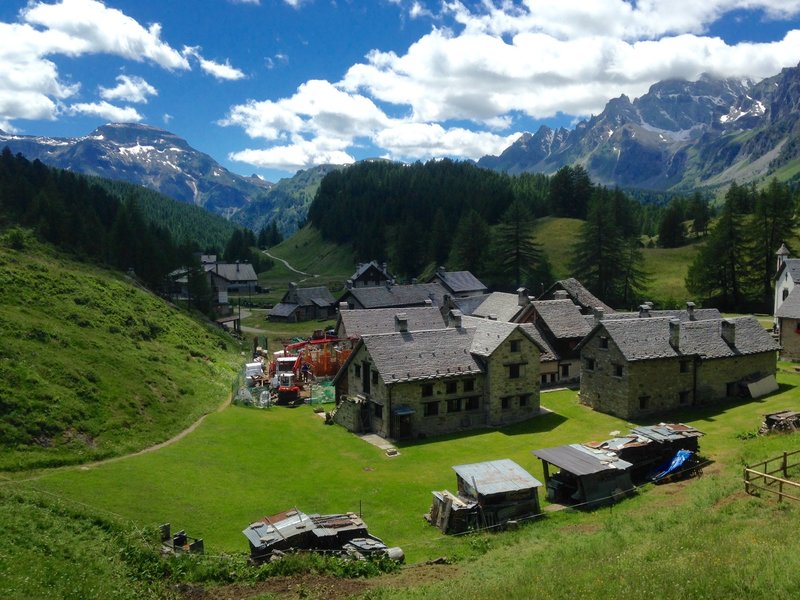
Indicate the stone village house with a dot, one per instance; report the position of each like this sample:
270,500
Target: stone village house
422,383
633,368
787,304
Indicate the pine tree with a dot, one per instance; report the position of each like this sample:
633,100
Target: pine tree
671,233
518,257
471,242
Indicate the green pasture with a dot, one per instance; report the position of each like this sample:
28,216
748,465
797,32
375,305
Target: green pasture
242,464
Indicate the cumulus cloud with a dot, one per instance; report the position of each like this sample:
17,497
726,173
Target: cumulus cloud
492,63
219,70
106,111
129,89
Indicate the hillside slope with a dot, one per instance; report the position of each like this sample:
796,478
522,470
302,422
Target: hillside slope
91,366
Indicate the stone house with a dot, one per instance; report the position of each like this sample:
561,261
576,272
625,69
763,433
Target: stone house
370,274
304,304
787,316
394,296
356,323
636,367
576,292
423,383
459,284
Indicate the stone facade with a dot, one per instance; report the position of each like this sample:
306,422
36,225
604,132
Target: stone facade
503,390
790,338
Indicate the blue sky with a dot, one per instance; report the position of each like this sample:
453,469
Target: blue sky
273,86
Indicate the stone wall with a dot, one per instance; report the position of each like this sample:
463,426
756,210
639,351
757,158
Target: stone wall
790,339
714,375
348,415
521,394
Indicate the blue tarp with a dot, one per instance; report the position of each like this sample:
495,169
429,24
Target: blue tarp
677,462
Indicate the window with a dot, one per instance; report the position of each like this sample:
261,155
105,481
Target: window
473,403
374,377
451,387
604,342
617,370
588,364
505,402
378,411
469,385
683,397
454,405
524,399
644,402
544,377
358,370
684,366
785,294
565,370
515,345
430,409
513,371
427,390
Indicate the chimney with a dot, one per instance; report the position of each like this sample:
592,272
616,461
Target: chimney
598,313
237,266
522,297
292,285
446,300
385,268
343,306
349,284
675,333
560,295
690,311
428,302
650,305
492,317
728,331
413,281
401,323
440,270
644,311
454,319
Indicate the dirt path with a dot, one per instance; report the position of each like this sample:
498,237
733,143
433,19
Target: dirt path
290,267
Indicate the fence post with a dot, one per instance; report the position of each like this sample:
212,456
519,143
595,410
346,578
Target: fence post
746,481
785,471
780,490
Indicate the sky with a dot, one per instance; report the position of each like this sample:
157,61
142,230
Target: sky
273,86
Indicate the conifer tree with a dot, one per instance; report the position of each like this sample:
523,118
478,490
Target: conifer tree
518,257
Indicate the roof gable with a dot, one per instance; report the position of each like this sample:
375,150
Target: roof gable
502,305
563,318
790,308
578,293
792,265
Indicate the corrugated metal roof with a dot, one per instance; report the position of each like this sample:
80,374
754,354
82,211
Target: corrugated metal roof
580,460
496,477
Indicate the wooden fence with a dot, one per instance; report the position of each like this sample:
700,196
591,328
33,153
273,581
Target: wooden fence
763,477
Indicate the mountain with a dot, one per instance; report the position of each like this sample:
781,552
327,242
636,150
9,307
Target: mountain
679,135
147,156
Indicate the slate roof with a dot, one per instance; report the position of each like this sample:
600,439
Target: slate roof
468,304
502,305
318,296
364,267
421,355
563,318
383,296
234,272
496,477
699,314
793,265
643,339
580,460
490,334
283,310
382,320
579,294
548,354
460,282
790,308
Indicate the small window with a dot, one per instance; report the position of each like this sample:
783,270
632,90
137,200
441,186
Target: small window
644,402
617,370
684,366
451,387
785,294
565,370
588,364
378,411
374,377
515,345
505,402
513,371
544,377
427,390
431,409
473,403
604,342
454,405
469,385
358,370
683,397
524,399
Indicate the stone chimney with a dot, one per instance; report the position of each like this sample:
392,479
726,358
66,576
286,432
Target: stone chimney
644,311
343,306
690,311
598,313
385,268
728,331
523,299
349,284
441,270
428,302
413,281
401,323
454,319
292,285
675,333
560,295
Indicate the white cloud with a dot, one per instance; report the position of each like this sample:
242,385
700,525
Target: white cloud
300,154
129,89
460,89
166,117
106,111
219,70
253,2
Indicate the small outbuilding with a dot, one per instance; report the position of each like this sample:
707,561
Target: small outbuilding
587,476
489,494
